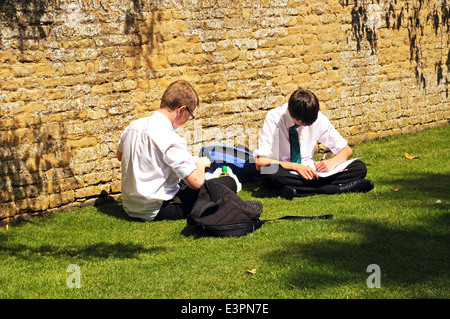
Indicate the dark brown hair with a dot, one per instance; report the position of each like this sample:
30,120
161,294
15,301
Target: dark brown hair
303,106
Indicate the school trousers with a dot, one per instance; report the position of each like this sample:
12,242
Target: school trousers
324,185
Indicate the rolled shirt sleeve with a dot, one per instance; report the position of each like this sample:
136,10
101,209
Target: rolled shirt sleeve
181,162
330,137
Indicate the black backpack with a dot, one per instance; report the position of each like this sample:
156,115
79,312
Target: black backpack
219,212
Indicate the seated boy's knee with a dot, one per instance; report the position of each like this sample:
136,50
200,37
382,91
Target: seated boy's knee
360,167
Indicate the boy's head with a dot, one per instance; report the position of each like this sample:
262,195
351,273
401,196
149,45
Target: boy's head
303,106
179,93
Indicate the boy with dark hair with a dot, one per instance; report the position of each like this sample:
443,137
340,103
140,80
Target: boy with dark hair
286,148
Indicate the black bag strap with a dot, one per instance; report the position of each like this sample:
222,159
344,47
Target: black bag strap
214,192
328,216
201,205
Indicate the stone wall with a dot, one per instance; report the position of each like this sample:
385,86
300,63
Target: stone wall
74,73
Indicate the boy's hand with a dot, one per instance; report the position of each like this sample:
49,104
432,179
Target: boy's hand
323,166
306,172
204,161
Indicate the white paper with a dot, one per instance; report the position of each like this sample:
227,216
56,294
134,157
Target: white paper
335,170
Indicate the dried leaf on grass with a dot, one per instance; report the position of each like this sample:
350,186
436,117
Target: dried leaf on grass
253,271
408,156
374,195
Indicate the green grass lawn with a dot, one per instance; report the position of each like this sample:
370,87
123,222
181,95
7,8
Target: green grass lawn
402,226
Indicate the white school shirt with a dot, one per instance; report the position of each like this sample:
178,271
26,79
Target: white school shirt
273,140
154,159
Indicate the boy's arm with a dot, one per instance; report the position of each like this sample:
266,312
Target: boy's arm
196,179
305,171
119,155
329,164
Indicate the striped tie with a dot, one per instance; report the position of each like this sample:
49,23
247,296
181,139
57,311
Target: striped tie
296,156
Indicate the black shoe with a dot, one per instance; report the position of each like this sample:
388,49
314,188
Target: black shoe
257,204
289,193
357,186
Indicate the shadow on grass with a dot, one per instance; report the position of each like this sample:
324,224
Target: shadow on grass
257,190
99,250
428,183
425,187
109,206
410,249
89,252
405,256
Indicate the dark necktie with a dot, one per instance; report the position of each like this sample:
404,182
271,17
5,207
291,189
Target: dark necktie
296,156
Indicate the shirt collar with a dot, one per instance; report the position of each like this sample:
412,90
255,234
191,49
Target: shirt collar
161,117
288,121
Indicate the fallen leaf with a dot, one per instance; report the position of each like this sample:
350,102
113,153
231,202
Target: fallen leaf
374,195
253,271
410,156
396,189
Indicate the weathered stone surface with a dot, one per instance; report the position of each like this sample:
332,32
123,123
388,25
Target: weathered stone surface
75,73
